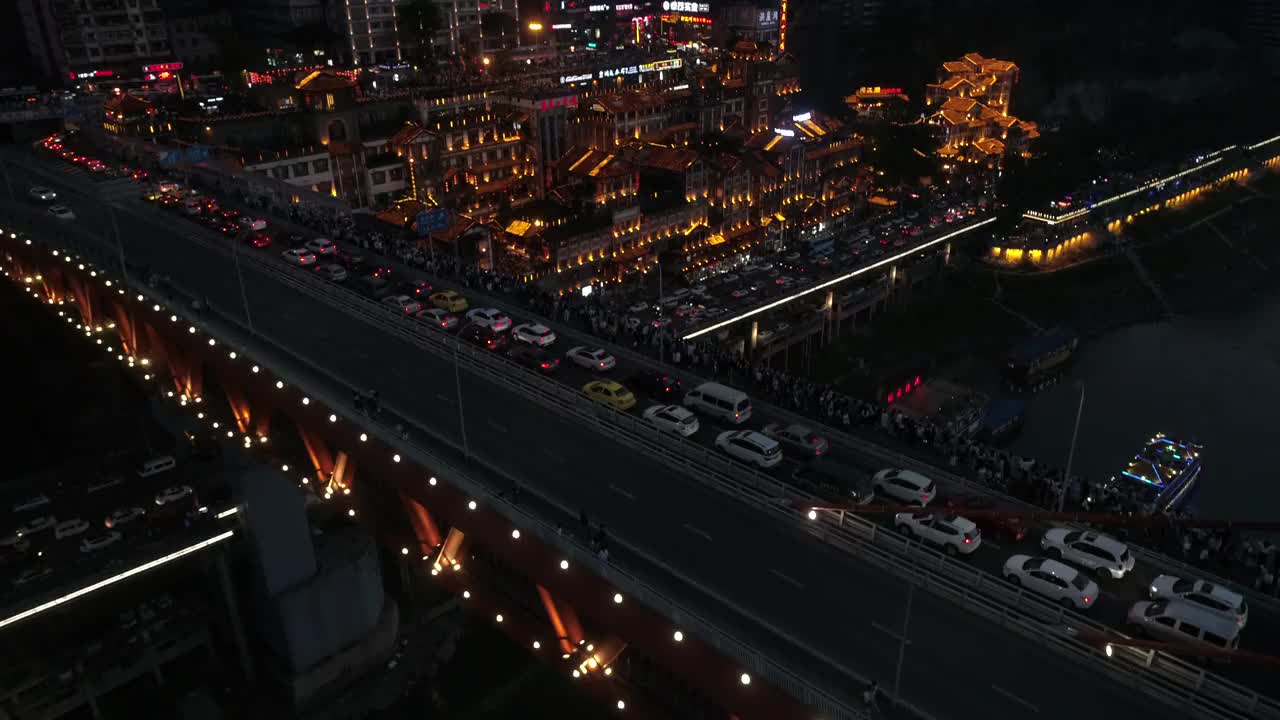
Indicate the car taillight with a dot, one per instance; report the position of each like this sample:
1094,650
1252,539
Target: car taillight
601,363
546,365
1087,600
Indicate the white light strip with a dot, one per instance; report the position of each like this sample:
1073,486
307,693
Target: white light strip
1255,146
1052,220
228,512
115,579
842,278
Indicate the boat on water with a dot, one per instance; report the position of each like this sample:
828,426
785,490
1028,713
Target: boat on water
1037,361
1162,474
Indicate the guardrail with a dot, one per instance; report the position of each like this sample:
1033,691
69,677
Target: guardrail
1160,675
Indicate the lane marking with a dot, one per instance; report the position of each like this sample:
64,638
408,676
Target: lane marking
698,531
444,398
889,632
1001,691
988,543
621,492
787,578
496,426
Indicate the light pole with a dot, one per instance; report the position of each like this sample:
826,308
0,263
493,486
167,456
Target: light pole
457,381
903,642
1071,453
244,296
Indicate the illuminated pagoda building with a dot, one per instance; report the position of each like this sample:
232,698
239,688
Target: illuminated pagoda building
969,107
880,103
1161,476
127,116
608,121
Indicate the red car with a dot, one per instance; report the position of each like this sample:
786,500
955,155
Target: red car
420,289
1011,529
258,240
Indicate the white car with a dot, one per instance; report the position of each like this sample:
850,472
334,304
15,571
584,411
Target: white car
250,223
955,534
332,271
299,257
1052,579
62,212
403,303
1090,550
905,486
42,194
123,516
438,317
534,334
173,494
591,358
70,528
491,318
751,447
37,524
673,419
94,543
322,246
1206,595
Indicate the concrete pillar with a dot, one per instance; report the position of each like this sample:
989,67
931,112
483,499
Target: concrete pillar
752,338
946,254
233,616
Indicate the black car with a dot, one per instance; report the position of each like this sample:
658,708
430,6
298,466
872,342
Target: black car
371,287
654,383
419,289
484,337
534,357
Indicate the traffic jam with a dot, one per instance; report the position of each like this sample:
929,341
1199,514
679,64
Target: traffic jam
1075,568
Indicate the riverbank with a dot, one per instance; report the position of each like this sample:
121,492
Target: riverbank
1212,256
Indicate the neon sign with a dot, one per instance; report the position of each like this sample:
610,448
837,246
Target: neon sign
688,19
688,7
162,67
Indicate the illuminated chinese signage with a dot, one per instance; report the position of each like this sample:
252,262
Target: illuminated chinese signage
766,18
689,19
91,74
599,8
782,28
656,66
802,117
562,26
624,7
681,6
162,67
672,64
877,90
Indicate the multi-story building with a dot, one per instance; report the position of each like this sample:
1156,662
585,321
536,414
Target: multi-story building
194,32
757,23
474,29
550,111
611,120
371,31
986,80
278,21
969,107
44,40
103,36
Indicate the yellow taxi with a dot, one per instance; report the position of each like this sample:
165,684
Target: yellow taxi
450,301
608,392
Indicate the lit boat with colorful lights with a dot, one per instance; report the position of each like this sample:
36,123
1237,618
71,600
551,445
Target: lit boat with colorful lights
1161,476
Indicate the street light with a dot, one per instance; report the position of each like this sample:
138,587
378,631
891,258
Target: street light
535,26
1071,453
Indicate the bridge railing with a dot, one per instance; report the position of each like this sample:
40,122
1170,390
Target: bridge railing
1160,675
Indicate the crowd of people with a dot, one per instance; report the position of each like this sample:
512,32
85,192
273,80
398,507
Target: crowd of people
950,442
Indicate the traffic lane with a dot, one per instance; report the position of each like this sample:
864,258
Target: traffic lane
262,291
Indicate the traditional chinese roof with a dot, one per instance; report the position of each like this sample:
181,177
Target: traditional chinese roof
409,134
665,158
128,105
585,162
323,81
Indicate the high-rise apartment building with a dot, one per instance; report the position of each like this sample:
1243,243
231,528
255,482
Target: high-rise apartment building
371,31
69,38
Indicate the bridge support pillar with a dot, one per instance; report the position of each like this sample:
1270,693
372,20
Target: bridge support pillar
563,620
233,617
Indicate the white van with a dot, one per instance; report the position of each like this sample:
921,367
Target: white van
156,465
732,406
1177,621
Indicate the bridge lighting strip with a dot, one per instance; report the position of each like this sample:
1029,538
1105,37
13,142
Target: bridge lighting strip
1050,220
1255,146
228,512
834,281
116,578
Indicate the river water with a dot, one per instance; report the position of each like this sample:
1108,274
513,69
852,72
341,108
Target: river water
1212,378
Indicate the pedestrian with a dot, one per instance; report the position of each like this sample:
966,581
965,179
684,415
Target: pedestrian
869,695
